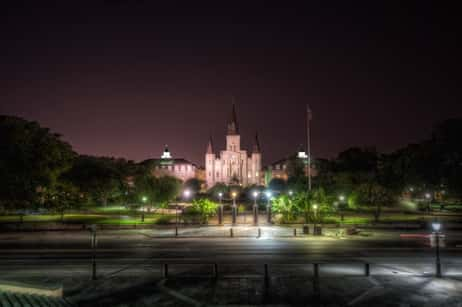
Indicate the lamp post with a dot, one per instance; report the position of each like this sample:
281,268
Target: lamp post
220,209
436,229
186,195
234,208
428,198
341,198
144,199
268,206
255,208
315,209
93,249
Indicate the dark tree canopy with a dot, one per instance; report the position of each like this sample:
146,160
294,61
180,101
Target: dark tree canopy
31,160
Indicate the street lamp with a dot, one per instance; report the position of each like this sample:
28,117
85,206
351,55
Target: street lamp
341,198
268,206
428,198
186,194
234,208
436,228
255,208
93,249
144,199
315,208
291,193
220,209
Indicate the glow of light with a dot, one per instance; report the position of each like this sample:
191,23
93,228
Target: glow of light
144,199
220,194
341,198
268,194
255,194
436,226
291,192
427,195
315,207
186,193
234,194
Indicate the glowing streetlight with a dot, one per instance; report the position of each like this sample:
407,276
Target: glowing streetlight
255,208
144,199
220,209
268,206
233,195
186,193
234,208
291,192
220,196
428,197
341,198
436,228
255,195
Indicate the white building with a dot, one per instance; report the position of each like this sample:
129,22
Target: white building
233,165
169,166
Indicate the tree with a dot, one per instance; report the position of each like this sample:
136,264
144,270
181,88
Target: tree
216,189
194,185
31,160
375,195
204,208
100,177
285,206
158,191
62,197
314,205
277,184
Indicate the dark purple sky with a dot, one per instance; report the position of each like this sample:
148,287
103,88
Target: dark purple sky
121,79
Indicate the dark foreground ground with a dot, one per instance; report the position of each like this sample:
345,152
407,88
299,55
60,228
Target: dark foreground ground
131,271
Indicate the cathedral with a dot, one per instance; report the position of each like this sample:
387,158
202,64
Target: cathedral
233,165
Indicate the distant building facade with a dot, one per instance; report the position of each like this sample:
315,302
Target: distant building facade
282,168
233,165
169,166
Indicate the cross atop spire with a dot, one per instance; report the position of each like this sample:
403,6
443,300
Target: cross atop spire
233,127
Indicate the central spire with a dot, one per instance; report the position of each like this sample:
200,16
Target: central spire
233,127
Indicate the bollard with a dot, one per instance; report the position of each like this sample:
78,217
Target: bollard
215,270
255,215
259,232
295,232
367,270
93,269
176,231
316,270
267,279
231,233
165,270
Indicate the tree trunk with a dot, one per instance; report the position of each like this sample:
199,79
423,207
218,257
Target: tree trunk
377,213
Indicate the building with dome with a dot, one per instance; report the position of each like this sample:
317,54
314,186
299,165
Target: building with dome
233,165
167,165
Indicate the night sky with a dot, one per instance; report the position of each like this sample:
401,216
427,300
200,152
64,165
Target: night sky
123,78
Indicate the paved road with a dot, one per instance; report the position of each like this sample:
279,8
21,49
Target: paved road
129,246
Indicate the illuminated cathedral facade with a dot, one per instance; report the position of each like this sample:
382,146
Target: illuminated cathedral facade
233,165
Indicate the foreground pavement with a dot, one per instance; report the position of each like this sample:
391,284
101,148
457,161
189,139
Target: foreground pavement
131,261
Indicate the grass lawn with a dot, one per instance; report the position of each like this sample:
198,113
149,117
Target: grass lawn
108,219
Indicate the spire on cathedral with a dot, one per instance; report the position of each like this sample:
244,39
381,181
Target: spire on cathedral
256,145
233,127
210,146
